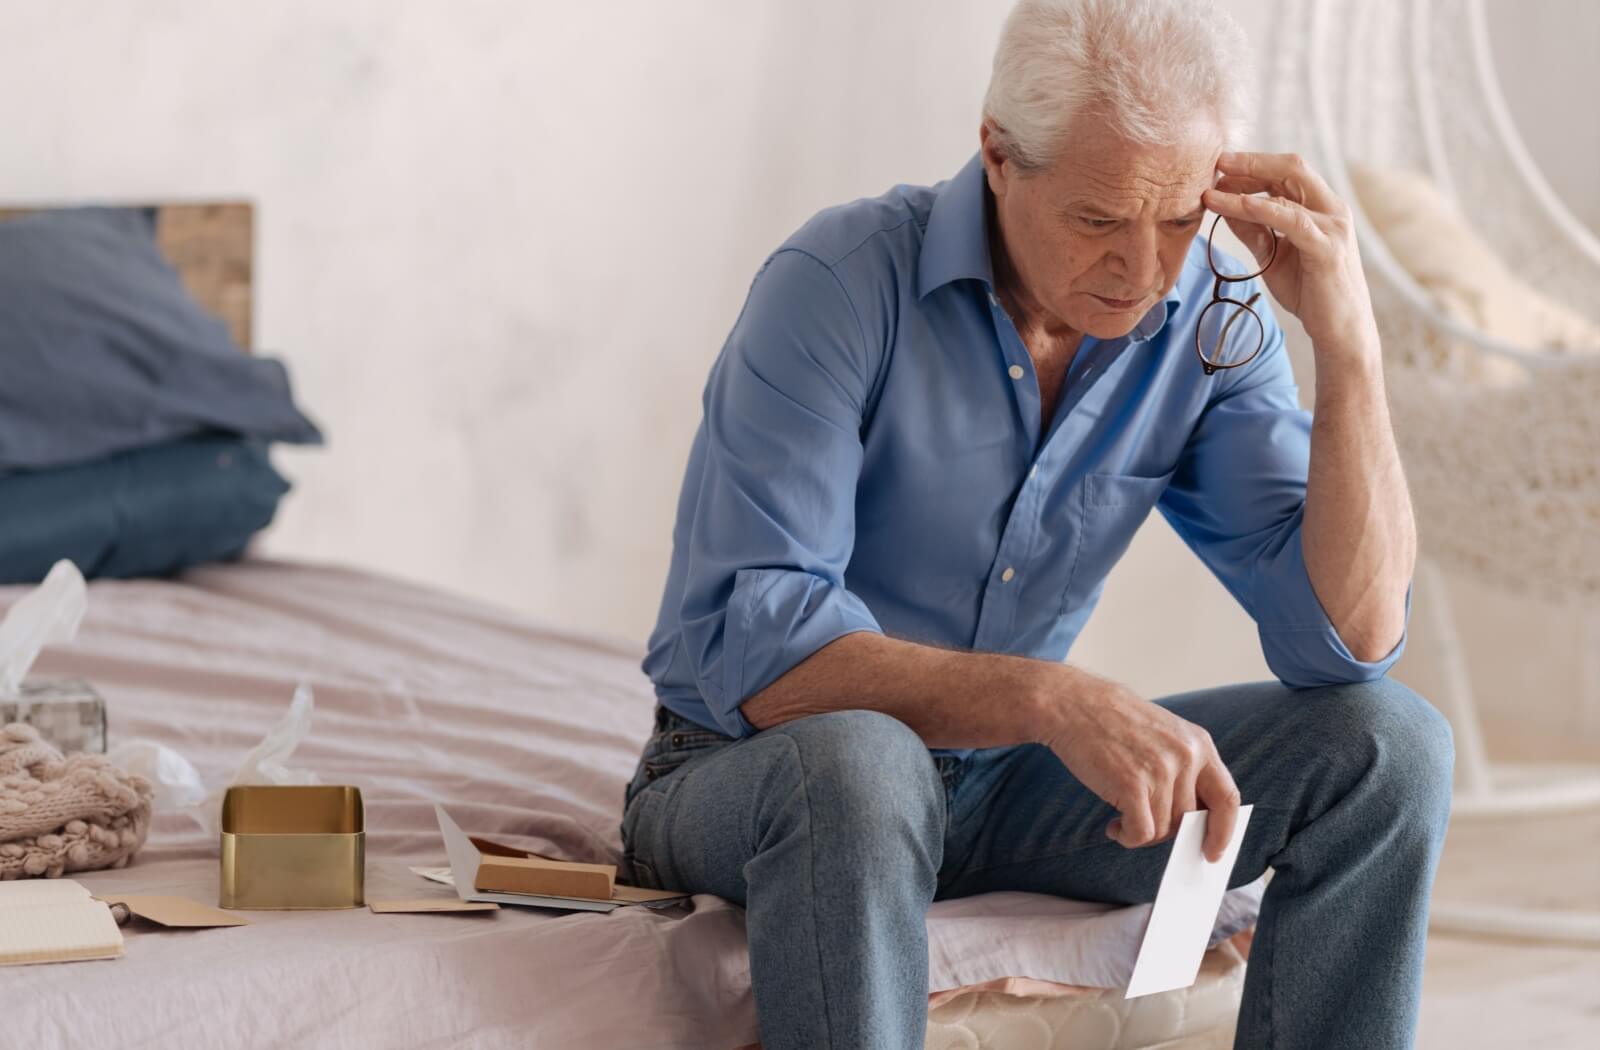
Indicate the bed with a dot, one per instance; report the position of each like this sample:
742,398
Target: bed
528,733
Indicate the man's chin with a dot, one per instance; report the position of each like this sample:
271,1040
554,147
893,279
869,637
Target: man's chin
1104,321
1110,325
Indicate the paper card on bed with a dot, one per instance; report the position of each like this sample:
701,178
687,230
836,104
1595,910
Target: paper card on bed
466,859
622,894
507,870
430,904
174,911
648,897
1186,908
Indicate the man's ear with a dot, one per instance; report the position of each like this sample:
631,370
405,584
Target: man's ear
999,168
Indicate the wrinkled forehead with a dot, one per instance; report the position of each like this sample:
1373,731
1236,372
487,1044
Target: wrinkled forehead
1128,180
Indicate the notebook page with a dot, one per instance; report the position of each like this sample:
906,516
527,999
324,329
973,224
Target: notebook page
54,920
28,893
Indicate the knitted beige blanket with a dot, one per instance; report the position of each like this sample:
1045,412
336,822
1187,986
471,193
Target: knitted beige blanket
57,815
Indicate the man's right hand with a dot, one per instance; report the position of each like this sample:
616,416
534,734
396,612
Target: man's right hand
1148,763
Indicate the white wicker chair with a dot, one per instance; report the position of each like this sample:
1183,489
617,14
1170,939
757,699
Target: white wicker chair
1505,477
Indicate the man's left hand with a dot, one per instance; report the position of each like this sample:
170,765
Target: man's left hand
1317,274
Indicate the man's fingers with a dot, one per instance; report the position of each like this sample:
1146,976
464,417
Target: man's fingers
1160,810
1220,796
1242,184
1258,239
1135,826
1287,175
1183,798
1291,220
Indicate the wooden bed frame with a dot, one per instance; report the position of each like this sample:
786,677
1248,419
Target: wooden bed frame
212,246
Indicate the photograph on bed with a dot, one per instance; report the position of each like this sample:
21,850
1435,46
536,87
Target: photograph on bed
1001,526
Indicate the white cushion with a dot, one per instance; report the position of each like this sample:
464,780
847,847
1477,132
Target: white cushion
1432,242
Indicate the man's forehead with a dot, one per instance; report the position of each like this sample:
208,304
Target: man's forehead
1166,178
1099,165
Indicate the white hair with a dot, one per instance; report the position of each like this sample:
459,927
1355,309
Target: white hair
1149,67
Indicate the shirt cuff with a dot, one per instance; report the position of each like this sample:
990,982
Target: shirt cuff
1300,643
776,618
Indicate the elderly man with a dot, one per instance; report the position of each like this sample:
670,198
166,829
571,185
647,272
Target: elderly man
937,423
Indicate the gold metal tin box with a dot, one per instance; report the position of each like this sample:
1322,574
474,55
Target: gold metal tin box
293,847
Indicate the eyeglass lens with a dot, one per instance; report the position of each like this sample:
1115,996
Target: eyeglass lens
1230,334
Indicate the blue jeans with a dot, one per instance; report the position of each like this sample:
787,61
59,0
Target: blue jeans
835,832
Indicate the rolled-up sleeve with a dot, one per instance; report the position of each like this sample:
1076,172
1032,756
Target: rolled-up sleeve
1238,501
773,526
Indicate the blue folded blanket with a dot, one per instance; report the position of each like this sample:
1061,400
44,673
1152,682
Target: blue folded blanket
146,512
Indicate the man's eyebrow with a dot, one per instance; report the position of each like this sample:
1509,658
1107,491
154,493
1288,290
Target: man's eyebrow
1090,210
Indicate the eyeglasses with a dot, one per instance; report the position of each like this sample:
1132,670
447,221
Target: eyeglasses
1225,356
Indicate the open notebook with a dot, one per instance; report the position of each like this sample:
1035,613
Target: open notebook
54,920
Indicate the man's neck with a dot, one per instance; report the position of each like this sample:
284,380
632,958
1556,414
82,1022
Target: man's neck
1037,326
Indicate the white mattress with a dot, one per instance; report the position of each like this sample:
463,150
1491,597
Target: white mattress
1201,1017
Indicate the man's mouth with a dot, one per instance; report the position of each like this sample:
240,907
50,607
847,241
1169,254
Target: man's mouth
1118,304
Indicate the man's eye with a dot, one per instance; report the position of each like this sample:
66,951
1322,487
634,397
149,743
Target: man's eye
1097,224
1185,223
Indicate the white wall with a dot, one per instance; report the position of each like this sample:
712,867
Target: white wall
1545,53
500,243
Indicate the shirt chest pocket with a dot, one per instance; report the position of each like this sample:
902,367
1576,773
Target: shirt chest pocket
1112,508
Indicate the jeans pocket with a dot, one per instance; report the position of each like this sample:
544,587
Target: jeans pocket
669,749
1113,508
655,769
639,836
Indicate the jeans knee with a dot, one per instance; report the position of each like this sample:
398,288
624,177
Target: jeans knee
1406,739
869,783
865,746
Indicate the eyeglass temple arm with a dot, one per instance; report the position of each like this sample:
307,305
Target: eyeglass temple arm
1248,303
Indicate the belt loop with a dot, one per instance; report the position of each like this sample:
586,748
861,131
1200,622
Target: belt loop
950,769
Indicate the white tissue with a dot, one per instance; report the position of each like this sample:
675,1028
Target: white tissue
179,788
177,783
265,764
51,613
48,614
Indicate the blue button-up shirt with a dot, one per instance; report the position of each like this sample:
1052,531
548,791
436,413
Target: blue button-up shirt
871,459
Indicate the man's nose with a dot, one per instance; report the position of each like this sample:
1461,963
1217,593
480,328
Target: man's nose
1136,258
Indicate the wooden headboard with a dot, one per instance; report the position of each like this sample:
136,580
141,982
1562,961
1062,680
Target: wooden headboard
212,246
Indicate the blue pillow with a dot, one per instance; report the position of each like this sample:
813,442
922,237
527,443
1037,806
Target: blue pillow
148,512
103,349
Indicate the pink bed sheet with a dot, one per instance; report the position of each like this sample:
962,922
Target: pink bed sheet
528,733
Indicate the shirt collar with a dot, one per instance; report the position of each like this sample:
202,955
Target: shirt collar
955,245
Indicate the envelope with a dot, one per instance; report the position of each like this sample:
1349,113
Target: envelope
172,911
484,870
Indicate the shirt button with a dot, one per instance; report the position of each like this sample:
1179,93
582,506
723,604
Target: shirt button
1015,371
1033,471
995,299
1006,576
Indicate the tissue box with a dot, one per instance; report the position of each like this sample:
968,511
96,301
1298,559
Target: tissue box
286,847
68,713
